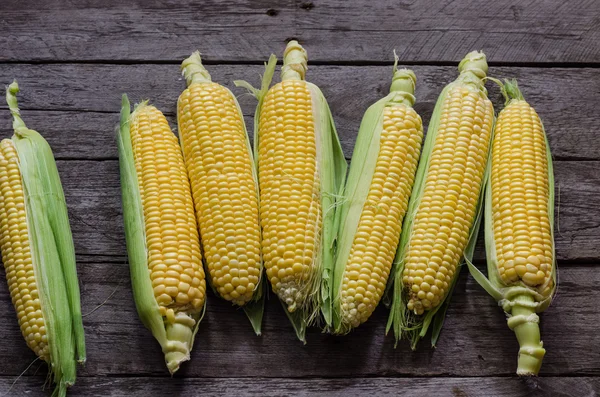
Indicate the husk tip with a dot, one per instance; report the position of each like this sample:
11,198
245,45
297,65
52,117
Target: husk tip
404,80
193,70
194,58
295,61
511,90
13,88
476,62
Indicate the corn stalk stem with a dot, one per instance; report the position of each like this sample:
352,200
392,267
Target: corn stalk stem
180,336
525,323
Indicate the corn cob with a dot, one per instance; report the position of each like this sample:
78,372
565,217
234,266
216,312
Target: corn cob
38,252
519,217
301,170
379,184
224,184
161,233
443,212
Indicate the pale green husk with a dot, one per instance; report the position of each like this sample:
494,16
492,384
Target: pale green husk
195,73
520,302
360,176
404,323
175,340
53,253
332,168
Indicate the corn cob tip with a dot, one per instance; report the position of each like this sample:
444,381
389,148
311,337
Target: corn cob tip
475,62
404,82
140,107
193,71
295,62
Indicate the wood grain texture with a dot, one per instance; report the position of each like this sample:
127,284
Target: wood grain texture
565,99
249,30
475,341
93,196
74,59
415,387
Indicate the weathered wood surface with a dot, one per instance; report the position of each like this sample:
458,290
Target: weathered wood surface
339,30
356,387
475,341
93,193
565,98
73,61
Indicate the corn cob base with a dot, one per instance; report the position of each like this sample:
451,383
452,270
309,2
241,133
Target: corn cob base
525,324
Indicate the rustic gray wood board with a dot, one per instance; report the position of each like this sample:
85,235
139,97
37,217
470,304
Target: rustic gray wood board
339,30
565,98
94,203
356,387
73,61
475,341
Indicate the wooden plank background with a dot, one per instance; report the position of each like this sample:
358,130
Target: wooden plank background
74,59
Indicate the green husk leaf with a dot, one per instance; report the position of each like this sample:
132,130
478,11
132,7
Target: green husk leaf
404,323
332,169
135,232
519,301
298,319
364,160
256,307
53,254
259,94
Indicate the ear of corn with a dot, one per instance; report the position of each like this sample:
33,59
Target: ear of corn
38,252
443,217
224,183
161,233
376,197
519,219
301,170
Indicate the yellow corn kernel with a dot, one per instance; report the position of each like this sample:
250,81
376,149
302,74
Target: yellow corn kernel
521,224
290,206
446,211
223,186
173,245
16,253
380,224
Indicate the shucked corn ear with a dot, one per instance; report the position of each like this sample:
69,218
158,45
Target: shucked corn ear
376,196
38,252
224,184
443,215
519,219
160,228
301,171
